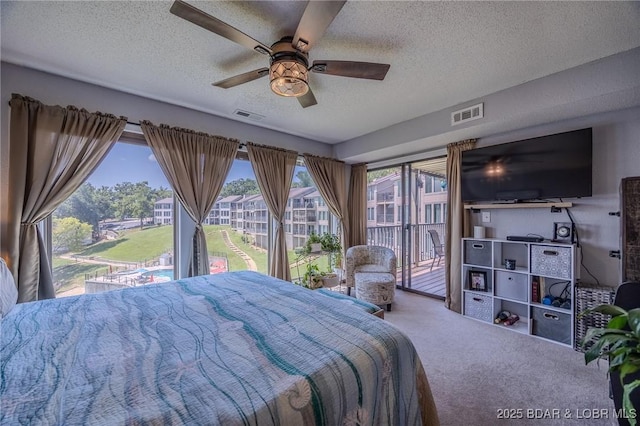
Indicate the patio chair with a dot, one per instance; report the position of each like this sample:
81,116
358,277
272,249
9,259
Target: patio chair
438,247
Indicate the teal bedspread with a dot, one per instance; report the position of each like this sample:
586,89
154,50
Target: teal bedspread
238,348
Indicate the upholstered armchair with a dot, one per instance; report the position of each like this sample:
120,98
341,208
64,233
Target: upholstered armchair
372,271
369,259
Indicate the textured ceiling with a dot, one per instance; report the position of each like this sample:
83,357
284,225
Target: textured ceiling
441,53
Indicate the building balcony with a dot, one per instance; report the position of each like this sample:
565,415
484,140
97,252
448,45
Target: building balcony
385,197
304,205
385,218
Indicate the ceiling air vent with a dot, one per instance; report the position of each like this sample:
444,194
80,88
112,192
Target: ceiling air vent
249,115
467,114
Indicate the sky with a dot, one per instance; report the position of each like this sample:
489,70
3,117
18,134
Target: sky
135,163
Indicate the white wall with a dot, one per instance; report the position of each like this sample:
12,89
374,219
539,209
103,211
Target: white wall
616,154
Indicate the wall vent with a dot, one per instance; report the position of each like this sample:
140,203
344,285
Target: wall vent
249,115
467,114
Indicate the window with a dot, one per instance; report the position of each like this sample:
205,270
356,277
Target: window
371,213
427,213
437,213
116,230
428,184
124,223
371,193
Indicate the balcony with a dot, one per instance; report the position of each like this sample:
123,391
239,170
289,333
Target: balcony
304,218
424,279
385,218
385,197
304,205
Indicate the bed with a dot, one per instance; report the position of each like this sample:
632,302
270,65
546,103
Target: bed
237,348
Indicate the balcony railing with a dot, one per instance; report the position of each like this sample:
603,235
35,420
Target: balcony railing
303,205
385,197
304,218
421,244
385,218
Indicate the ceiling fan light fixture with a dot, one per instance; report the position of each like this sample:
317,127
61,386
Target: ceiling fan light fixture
289,77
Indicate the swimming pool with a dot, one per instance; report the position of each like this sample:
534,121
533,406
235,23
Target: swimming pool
166,273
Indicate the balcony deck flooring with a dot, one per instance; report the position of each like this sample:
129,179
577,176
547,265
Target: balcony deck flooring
427,281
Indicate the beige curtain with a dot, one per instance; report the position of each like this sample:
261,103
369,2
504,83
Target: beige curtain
457,224
52,150
330,178
274,168
358,206
196,165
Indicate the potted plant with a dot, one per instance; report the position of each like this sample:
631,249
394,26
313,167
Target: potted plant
312,277
331,244
313,243
620,342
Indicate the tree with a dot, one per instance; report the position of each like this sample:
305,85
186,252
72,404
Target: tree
162,192
371,176
103,201
240,187
134,200
69,234
304,180
87,204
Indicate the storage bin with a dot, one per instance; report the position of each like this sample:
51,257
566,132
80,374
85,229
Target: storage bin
587,297
551,325
551,261
477,252
478,306
511,285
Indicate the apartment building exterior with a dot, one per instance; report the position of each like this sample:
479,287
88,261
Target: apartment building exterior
384,200
163,211
307,212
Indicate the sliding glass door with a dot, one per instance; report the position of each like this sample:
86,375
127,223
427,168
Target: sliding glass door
406,209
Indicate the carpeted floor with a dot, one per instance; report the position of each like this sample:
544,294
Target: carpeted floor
479,371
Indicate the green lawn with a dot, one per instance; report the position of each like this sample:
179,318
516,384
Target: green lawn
71,274
148,244
134,245
215,243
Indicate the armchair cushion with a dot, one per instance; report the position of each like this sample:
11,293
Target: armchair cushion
369,259
371,268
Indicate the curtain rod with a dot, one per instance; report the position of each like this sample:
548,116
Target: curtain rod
133,123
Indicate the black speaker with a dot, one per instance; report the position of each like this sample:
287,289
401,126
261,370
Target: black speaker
563,232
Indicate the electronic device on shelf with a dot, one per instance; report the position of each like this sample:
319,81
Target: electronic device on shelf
525,238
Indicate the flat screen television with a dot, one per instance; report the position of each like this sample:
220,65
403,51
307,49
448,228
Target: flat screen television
554,166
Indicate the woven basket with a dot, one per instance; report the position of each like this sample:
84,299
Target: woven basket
587,297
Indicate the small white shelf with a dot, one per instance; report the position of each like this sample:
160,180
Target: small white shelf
521,326
517,206
512,289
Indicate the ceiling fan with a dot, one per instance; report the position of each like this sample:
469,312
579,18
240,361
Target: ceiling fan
289,57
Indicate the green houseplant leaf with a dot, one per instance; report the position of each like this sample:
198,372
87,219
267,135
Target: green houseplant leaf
620,342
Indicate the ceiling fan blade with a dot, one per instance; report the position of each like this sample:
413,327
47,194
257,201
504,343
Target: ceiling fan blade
242,78
307,99
353,69
316,18
208,22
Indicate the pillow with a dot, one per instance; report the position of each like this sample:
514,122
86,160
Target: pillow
8,289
